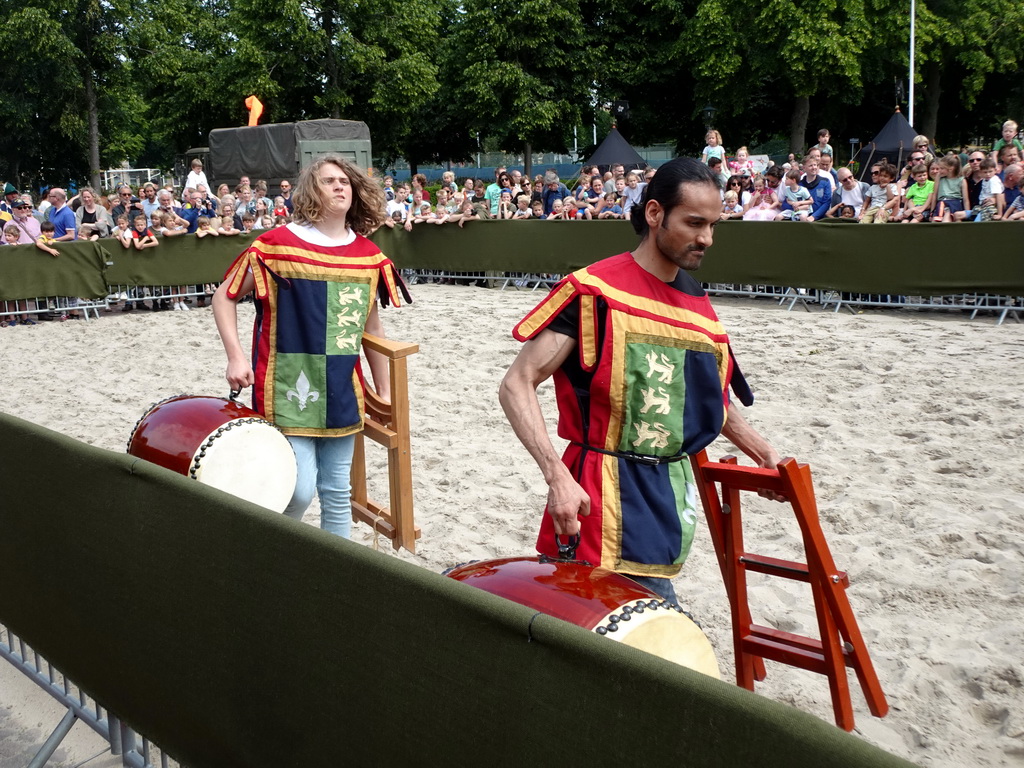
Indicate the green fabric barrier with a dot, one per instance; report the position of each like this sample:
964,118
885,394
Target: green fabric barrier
27,272
920,259
233,636
184,260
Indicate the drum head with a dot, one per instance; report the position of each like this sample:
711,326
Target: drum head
674,637
252,460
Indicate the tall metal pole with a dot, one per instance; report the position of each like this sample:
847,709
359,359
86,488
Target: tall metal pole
910,104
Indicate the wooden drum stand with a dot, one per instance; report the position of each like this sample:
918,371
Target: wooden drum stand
841,644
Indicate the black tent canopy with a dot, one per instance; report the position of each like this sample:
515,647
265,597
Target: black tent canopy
893,143
615,149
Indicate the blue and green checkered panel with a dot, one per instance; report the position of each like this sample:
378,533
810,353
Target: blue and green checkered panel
319,334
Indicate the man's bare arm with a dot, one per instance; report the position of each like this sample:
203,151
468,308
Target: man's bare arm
738,430
537,361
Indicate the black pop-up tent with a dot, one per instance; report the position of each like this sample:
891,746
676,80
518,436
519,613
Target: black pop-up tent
615,149
893,143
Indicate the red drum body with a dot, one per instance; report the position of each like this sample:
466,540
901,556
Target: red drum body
220,443
597,599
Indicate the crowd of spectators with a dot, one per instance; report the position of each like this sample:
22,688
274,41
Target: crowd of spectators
972,186
512,196
976,185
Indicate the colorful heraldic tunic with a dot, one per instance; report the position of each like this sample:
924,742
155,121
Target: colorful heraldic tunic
650,382
312,305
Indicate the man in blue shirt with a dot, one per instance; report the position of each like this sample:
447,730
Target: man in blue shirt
61,215
820,189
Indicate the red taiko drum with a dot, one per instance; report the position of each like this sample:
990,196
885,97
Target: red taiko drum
220,443
597,599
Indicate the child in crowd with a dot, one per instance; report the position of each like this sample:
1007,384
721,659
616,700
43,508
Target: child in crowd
280,209
557,210
1009,137
280,221
142,236
742,165
731,208
918,196
469,189
248,223
714,147
763,202
505,208
848,212
266,221
950,191
441,214
448,182
122,231
469,212
522,208
227,223
47,238
633,193
574,211
389,189
9,230
796,200
537,209
991,200
88,232
204,228
582,191
451,201
881,197
166,226
823,146
610,208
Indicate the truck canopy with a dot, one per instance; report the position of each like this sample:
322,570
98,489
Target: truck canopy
276,151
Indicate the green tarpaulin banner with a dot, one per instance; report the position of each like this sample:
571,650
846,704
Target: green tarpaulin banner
918,259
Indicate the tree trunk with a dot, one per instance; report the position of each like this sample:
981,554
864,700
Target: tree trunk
798,124
93,117
527,161
932,92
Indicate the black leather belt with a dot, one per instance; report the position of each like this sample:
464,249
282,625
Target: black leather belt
639,459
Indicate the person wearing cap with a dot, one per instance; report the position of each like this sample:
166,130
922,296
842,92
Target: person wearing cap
27,225
7,206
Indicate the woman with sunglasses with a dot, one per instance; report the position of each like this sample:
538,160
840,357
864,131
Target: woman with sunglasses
737,185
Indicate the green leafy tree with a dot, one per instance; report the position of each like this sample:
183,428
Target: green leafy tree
525,77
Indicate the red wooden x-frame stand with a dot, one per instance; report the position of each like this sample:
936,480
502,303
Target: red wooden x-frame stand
841,644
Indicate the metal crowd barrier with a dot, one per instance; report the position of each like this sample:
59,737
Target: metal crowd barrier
975,303
135,751
42,308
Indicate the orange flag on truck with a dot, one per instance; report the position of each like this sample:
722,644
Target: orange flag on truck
255,107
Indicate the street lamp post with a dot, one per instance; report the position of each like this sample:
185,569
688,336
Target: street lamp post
910,97
709,116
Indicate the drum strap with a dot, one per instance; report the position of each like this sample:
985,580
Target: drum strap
652,460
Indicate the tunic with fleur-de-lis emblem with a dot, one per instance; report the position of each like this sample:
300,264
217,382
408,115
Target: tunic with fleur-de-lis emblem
647,387
312,302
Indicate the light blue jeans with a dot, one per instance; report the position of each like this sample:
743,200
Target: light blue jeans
325,466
